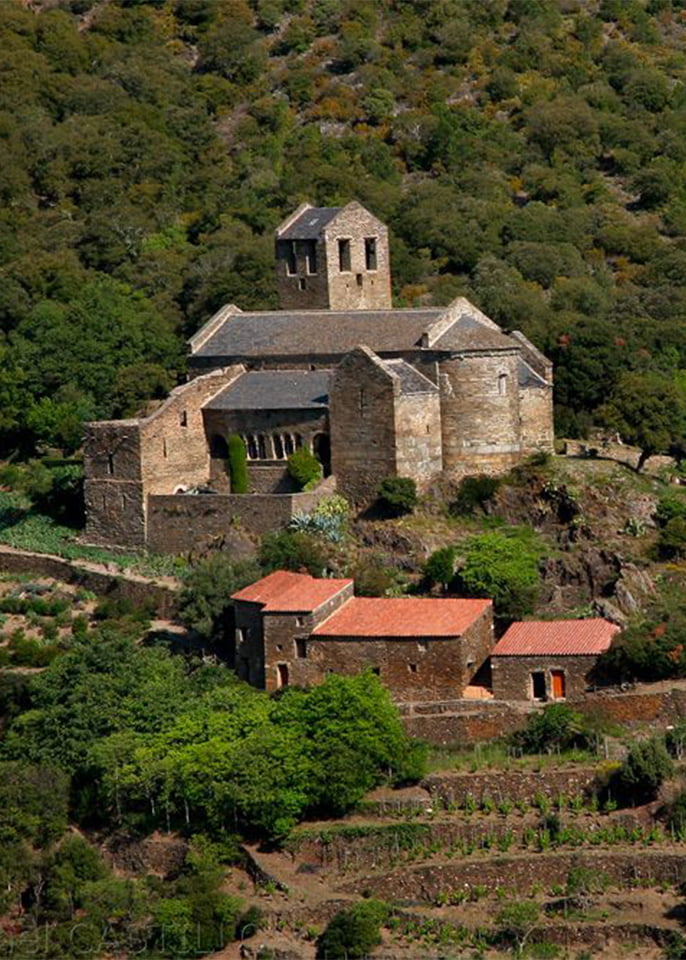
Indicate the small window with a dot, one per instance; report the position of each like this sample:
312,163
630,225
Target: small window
311,256
110,463
422,645
282,674
300,621
370,253
376,671
359,279
183,419
164,447
302,283
301,648
344,256
279,646
291,260
502,384
412,667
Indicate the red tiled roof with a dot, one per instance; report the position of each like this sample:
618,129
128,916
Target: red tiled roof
402,617
541,638
286,592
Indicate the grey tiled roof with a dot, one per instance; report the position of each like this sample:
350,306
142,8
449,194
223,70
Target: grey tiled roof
309,224
468,333
527,376
316,333
411,380
275,390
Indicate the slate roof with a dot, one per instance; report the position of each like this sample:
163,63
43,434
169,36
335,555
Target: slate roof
275,390
309,224
411,380
316,332
286,592
527,376
556,638
468,333
401,618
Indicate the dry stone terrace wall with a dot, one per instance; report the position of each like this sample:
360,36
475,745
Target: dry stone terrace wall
514,785
519,873
114,586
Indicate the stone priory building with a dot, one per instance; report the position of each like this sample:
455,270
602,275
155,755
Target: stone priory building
373,391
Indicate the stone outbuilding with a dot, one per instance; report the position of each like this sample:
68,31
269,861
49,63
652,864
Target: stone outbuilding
548,659
292,628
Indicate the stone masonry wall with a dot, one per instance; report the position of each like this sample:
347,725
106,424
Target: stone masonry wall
363,439
125,460
120,586
418,437
480,412
420,668
281,631
177,524
358,288
174,448
113,488
511,676
519,873
536,416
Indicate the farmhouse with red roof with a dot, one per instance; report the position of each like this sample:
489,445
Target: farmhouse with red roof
548,660
294,629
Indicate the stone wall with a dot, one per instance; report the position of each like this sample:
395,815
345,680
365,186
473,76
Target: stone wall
126,460
420,668
179,523
120,586
519,873
511,676
463,722
286,643
480,412
418,437
536,417
514,785
363,437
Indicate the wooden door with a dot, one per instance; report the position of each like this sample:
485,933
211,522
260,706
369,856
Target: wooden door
558,684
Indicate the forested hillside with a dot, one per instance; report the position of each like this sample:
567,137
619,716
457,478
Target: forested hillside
529,154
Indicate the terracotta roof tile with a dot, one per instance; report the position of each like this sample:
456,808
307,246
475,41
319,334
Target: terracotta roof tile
402,617
287,592
545,638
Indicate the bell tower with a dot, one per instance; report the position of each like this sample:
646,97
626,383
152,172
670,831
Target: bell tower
333,258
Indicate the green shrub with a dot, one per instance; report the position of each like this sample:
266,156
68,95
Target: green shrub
205,604
474,493
238,464
503,567
304,468
352,934
676,815
671,542
440,566
556,727
398,495
292,550
643,771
